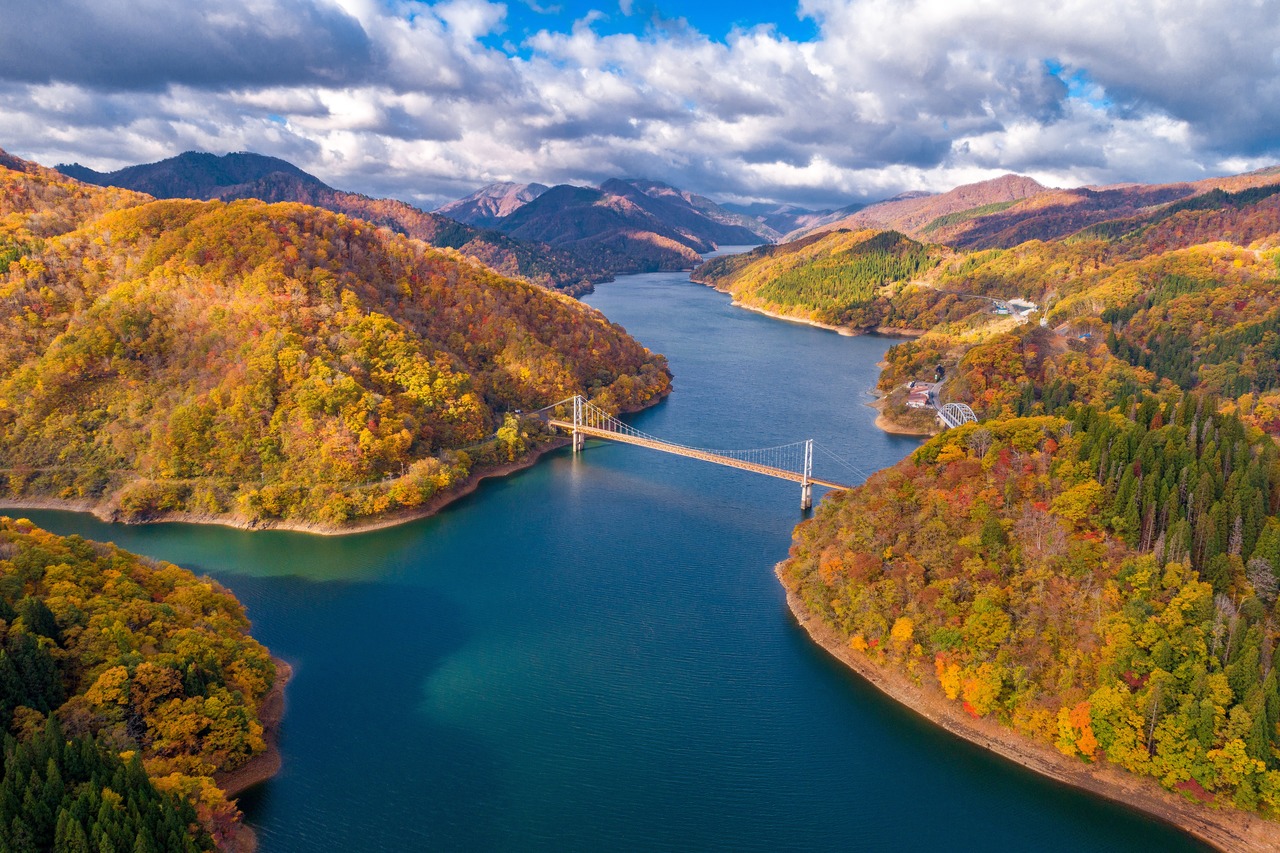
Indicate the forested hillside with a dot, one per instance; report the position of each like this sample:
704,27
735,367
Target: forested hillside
1099,582
845,278
126,685
268,362
921,214
1185,291
1095,564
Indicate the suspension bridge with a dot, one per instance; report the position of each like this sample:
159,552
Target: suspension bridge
792,461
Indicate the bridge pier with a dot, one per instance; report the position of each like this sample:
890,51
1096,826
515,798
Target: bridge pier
806,488
579,439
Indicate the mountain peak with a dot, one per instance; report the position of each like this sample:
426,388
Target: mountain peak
911,212
492,202
195,174
1012,185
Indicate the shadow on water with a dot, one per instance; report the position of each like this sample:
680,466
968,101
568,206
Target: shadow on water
361,672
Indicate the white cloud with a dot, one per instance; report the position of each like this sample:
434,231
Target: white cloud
408,99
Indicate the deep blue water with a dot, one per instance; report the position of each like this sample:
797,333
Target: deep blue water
594,654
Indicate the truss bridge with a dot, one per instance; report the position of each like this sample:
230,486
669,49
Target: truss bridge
953,414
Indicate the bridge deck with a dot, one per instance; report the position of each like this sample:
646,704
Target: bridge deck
780,473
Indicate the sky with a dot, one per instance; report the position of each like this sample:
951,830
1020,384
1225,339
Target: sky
817,102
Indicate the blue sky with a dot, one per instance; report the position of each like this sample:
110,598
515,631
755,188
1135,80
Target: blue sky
712,18
817,102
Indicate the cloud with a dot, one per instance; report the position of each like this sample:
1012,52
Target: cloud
150,44
413,100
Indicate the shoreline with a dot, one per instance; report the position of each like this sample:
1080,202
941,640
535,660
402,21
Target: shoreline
839,330
887,424
262,766
428,508
1226,829
267,763
846,331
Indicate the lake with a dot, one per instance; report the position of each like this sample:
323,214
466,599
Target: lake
594,654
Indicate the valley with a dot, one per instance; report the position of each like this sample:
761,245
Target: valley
1085,576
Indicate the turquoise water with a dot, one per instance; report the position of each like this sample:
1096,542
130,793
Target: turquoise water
594,654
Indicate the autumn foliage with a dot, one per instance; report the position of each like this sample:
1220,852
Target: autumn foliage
1101,583
274,361
132,658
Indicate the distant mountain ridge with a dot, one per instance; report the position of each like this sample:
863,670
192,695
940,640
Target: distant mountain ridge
704,206
1012,209
630,225
195,174
567,237
605,225
787,219
492,202
561,237
912,212
240,175
1054,214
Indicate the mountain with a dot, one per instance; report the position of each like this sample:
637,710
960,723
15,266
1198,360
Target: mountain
1061,213
269,362
1006,211
490,203
631,226
246,175
622,234
194,174
834,278
1116,254
688,208
915,213
785,220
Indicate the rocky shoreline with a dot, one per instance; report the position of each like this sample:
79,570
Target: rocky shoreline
1227,829
266,764
262,766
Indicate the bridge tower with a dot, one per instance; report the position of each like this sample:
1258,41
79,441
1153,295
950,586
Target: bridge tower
579,438
806,487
